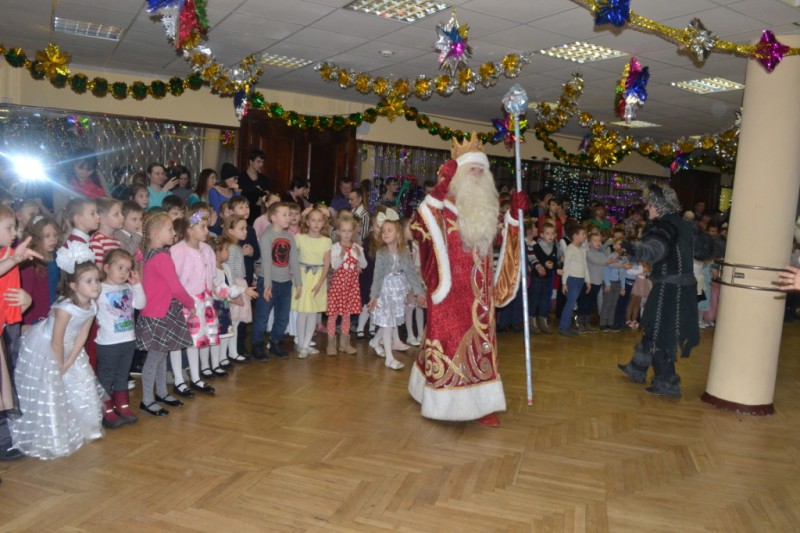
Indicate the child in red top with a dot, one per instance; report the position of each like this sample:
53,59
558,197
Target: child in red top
110,212
161,326
13,301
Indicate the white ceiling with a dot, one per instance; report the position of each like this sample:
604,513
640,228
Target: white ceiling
321,30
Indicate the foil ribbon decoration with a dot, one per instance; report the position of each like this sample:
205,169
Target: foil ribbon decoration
453,46
614,12
700,41
770,52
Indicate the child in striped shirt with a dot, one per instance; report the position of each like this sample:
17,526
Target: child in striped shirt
102,241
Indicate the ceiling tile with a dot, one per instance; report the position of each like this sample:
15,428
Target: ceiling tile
335,42
520,11
358,24
769,13
295,11
239,24
90,6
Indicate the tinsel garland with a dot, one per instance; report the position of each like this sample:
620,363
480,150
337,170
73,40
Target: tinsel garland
604,147
463,80
370,115
694,38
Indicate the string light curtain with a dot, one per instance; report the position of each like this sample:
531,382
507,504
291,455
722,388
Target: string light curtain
123,145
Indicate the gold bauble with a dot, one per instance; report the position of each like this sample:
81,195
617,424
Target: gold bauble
362,83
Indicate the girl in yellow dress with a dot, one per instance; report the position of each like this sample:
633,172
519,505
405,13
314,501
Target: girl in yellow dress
314,253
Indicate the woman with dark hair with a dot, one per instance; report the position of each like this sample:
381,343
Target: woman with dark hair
298,192
389,197
184,177
227,188
158,184
205,182
86,179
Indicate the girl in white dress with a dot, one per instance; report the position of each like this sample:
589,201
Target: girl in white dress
394,278
59,396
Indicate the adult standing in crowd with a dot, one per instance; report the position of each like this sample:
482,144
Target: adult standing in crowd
389,198
670,318
342,200
227,188
159,187
205,182
253,184
298,192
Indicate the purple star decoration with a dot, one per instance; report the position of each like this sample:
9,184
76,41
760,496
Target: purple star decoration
614,12
769,51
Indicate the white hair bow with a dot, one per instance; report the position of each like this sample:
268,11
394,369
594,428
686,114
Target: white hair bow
72,254
390,214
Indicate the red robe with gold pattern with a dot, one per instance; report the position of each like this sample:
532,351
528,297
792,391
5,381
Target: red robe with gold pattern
455,376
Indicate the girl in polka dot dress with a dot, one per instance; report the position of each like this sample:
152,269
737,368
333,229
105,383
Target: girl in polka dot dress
344,294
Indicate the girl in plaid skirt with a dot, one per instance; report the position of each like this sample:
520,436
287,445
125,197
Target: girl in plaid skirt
162,326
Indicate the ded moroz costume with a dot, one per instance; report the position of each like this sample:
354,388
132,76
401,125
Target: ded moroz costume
456,373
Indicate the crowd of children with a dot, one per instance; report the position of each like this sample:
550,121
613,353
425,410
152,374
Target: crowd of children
587,272
184,286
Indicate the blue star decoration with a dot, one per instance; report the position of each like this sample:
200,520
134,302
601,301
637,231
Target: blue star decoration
769,51
614,12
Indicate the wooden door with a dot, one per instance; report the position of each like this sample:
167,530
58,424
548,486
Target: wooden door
322,157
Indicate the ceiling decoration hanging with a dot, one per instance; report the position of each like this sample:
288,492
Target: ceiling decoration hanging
454,50
422,86
695,38
631,90
51,64
186,26
604,147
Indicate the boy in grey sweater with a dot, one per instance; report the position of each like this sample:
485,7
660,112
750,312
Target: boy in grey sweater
279,266
596,260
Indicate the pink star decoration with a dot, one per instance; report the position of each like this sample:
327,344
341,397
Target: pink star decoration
770,51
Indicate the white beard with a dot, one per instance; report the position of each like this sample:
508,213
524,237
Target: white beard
478,209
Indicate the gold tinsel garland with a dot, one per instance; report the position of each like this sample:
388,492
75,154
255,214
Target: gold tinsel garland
685,37
606,147
465,80
52,64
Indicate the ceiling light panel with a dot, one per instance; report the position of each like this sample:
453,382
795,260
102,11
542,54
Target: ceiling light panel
708,85
401,10
581,52
86,29
283,61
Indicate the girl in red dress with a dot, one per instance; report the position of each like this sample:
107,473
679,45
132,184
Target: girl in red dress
344,294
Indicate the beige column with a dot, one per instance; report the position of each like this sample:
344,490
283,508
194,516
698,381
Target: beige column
744,357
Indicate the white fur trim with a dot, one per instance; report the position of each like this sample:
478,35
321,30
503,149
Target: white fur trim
474,157
508,220
434,202
440,249
451,206
459,403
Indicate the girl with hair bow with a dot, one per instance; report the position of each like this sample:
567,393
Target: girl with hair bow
394,277
59,396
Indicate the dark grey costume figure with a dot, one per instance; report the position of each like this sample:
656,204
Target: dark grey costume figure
670,313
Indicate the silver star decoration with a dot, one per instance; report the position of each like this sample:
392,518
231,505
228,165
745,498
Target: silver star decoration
449,61
701,41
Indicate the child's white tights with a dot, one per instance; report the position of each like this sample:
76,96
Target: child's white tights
385,336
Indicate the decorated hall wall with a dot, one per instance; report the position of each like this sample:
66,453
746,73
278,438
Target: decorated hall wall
18,88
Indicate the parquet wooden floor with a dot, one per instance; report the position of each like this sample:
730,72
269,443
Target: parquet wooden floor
336,444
